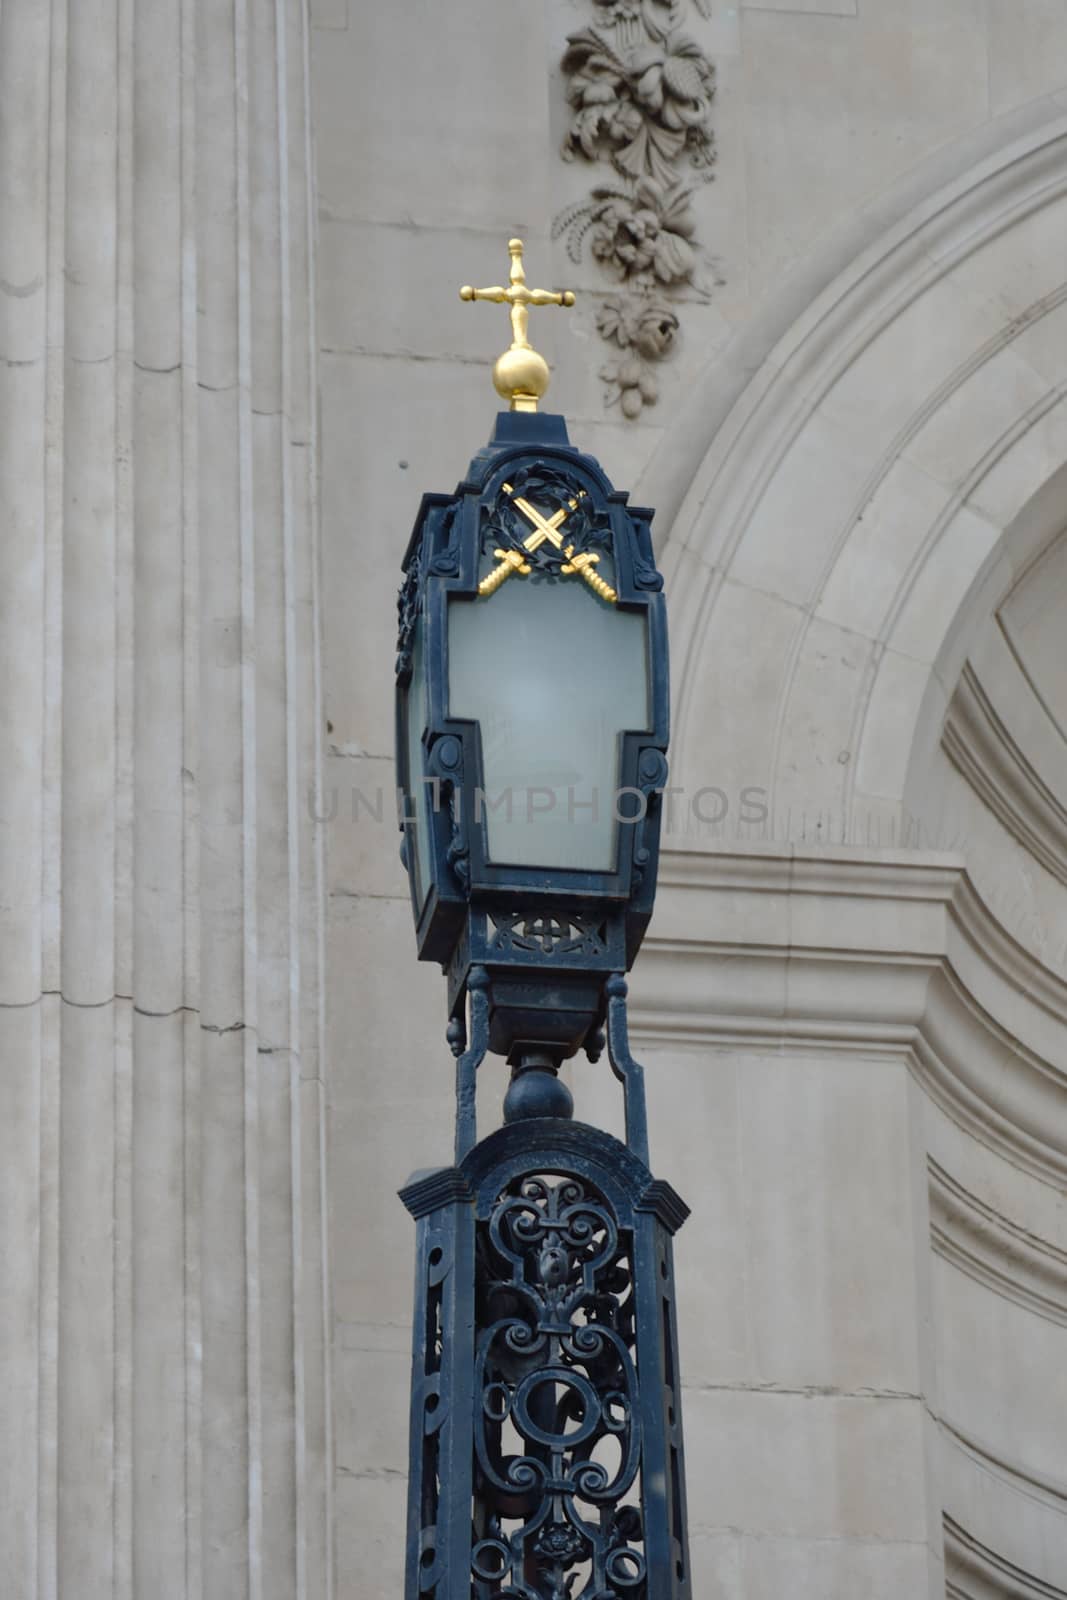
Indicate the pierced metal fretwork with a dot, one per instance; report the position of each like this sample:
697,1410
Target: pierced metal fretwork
557,1434
547,1448
549,934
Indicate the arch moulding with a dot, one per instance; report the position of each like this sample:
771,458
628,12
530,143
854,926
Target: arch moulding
860,507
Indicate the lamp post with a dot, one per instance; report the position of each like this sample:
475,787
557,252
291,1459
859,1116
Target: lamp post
532,721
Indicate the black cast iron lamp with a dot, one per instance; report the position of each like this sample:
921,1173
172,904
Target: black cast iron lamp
532,720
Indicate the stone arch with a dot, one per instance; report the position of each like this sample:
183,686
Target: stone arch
867,564
871,495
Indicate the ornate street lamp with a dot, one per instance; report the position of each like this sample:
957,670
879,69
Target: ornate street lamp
532,722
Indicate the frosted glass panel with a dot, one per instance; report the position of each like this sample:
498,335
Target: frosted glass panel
553,675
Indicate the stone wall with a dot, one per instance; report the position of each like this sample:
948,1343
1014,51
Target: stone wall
166,1426
218,218
852,1008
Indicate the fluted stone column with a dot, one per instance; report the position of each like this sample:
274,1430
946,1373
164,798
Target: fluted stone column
163,1349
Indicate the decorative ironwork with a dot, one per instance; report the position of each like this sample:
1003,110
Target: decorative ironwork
546,1442
428,1413
557,1429
652,783
547,934
592,534
525,538
444,767
408,609
443,562
646,575
545,1446
446,562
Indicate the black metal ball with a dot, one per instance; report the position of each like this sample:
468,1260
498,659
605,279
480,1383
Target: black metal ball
537,1093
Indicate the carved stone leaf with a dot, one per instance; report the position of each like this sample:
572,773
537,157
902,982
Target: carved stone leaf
632,159
655,327
651,151
586,130
682,78
660,16
589,50
612,322
675,258
674,210
572,224
615,11
704,7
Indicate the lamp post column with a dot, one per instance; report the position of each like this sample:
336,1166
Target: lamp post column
546,1458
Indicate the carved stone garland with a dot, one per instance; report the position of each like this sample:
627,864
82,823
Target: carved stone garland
640,91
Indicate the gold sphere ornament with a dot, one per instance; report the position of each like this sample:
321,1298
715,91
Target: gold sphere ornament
520,375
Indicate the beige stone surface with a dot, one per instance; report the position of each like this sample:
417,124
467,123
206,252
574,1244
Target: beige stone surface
837,107
390,1101
999,1377
166,896
457,150
805,1467
826,8
740,1568
1027,39
222,223
808,1044
783,1290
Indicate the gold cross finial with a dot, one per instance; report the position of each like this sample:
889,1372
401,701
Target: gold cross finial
520,374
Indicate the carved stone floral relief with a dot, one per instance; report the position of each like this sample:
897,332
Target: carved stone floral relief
640,93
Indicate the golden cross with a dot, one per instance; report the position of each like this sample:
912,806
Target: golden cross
520,374
546,528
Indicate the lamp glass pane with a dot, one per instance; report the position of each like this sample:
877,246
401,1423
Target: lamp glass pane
554,675
418,791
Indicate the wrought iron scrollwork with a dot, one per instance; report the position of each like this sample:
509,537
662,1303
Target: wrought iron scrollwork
408,610
546,1446
409,599
557,1426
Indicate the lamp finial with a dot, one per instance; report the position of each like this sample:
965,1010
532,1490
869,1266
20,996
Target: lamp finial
520,374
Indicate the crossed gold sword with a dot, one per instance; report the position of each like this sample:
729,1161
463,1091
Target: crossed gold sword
546,528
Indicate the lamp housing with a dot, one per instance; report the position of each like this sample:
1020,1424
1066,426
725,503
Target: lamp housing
532,728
